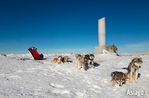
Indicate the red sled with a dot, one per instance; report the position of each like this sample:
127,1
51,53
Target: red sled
35,54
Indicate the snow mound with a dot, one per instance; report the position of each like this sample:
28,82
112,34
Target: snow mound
105,52
18,56
1,54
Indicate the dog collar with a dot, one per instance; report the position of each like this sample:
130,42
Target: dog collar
135,69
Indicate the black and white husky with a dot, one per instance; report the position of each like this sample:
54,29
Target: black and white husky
90,60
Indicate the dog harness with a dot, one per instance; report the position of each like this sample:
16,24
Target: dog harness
113,72
87,57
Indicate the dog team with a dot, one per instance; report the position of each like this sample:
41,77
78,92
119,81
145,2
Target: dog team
81,61
133,68
87,61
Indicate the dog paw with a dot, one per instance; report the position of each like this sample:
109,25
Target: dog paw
127,84
136,82
130,81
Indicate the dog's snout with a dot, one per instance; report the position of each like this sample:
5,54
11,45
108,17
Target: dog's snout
139,66
120,85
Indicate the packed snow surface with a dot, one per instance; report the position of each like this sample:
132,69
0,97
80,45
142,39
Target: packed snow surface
30,79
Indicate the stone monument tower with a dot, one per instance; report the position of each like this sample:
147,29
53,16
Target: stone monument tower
101,37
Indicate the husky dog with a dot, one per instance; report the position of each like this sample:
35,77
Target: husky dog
64,59
76,58
133,69
80,62
118,78
89,58
57,60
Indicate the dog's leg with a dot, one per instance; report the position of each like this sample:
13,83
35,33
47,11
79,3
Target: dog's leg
76,66
127,84
93,64
130,77
127,77
84,67
113,83
79,66
75,62
90,66
136,76
111,80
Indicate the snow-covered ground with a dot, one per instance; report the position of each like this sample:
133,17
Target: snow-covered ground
29,79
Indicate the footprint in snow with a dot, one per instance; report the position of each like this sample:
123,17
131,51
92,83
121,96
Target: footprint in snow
13,77
58,89
61,91
56,85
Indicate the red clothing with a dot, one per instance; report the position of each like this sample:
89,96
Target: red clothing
87,57
34,53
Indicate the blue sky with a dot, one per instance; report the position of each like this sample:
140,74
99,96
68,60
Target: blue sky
71,26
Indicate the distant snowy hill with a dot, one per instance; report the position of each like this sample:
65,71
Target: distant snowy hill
1,54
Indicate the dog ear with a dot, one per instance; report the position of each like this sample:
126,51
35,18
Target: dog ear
59,56
140,59
135,59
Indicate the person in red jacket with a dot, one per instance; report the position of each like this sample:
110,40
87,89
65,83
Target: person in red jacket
35,54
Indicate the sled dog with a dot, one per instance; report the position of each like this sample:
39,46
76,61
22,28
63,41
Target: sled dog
89,58
64,59
80,62
133,69
57,60
76,58
118,78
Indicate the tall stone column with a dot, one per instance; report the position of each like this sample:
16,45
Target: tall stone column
102,32
101,37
